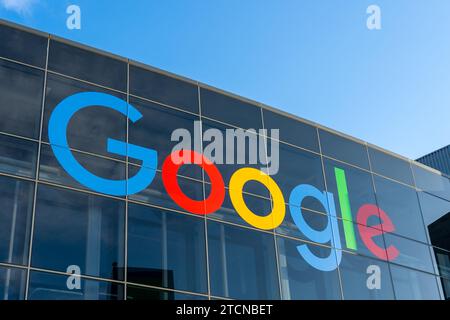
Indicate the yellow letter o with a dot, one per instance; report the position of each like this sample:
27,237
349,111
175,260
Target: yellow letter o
237,182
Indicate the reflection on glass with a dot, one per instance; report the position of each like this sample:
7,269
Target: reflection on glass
413,285
12,283
87,65
154,130
18,156
299,280
20,99
292,131
143,293
46,286
343,149
359,187
365,279
242,263
16,198
390,166
89,129
161,88
51,170
431,182
15,44
402,206
166,249
74,228
223,108
411,253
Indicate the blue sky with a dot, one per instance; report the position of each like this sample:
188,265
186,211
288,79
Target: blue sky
312,58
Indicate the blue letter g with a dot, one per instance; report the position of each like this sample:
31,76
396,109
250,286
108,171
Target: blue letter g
57,133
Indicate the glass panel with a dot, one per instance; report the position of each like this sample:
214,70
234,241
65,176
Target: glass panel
228,164
300,167
355,186
258,205
432,182
87,65
161,88
16,198
445,288
365,279
89,128
235,254
223,108
414,285
18,156
390,166
299,280
292,131
12,283
166,249
142,293
73,228
47,286
343,149
156,193
154,130
402,206
436,214
443,261
317,221
411,253
50,169
376,235
20,99
15,44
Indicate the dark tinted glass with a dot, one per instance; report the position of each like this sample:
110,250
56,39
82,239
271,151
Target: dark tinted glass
347,182
292,131
156,194
235,254
51,170
227,160
73,228
161,88
390,166
317,221
229,110
18,156
445,283
20,99
12,283
299,167
436,214
299,280
47,286
343,149
412,254
154,130
361,232
402,206
15,44
365,279
258,205
442,258
143,293
166,249
414,285
89,128
87,65
432,182
16,198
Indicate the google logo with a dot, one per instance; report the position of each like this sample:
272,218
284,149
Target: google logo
57,130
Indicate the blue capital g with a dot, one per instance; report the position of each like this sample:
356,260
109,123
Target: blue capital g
57,132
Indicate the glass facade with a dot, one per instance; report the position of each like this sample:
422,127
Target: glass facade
145,246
